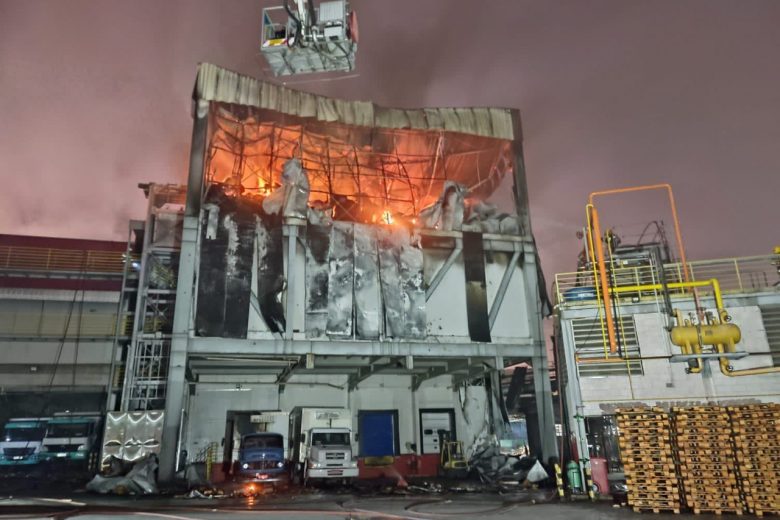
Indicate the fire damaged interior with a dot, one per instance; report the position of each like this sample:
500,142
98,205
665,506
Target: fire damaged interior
340,254
363,204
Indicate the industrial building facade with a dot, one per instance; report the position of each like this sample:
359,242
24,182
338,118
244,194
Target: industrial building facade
322,255
58,301
649,370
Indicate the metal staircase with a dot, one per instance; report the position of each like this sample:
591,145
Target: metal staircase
150,293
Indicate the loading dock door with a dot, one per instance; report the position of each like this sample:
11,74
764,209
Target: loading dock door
432,422
378,432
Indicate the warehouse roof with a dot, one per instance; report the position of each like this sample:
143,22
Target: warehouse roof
214,83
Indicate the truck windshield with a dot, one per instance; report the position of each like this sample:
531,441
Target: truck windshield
329,438
68,430
262,441
23,434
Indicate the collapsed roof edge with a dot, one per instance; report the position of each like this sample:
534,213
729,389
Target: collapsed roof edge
213,83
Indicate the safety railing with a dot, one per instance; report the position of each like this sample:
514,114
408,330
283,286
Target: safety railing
47,259
736,275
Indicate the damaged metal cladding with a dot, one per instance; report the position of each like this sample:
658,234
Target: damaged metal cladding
317,276
446,214
270,272
483,217
292,197
401,269
368,296
340,280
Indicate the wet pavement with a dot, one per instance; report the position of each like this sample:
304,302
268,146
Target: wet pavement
28,497
294,506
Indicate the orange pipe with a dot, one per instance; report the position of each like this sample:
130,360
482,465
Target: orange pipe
603,279
668,189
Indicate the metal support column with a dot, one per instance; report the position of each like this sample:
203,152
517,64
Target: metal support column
185,294
542,388
573,397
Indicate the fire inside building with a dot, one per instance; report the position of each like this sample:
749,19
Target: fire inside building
369,271
344,291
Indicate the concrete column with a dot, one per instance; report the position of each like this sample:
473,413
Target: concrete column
185,297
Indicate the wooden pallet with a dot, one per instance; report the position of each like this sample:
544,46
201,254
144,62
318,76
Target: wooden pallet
658,509
756,433
705,455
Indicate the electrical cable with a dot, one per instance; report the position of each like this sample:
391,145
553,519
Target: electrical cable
298,27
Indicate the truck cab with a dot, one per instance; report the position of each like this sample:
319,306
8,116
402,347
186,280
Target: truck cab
321,442
71,437
22,441
261,459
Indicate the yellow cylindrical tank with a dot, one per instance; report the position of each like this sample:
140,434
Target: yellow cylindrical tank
721,333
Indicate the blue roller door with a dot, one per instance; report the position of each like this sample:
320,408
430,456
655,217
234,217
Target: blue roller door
378,433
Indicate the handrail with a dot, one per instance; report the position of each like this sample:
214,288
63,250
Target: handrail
736,275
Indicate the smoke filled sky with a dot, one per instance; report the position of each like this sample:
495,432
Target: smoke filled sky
95,98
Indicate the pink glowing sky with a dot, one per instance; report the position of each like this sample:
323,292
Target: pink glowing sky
95,98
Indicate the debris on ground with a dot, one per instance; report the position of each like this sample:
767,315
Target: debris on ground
505,472
140,479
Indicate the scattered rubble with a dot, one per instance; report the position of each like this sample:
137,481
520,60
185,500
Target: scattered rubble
140,479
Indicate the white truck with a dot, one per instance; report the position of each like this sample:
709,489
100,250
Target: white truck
73,437
21,442
321,444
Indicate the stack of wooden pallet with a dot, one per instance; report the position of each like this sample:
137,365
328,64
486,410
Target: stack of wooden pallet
646,449
705,455
756,430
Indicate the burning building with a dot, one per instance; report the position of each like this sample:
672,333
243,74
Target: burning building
337,254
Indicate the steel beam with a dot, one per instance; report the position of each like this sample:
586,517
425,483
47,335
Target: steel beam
287,372
449,367
439,276
522,348
502,288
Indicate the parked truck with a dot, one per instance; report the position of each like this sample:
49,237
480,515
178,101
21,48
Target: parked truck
262,454
321,444
73,438
261,459
22,440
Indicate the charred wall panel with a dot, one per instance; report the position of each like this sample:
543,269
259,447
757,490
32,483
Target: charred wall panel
270,272
210,313
340,281
403,293
476,287
225,274
368,297
317,270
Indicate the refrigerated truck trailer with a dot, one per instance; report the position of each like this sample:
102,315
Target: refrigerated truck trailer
321,444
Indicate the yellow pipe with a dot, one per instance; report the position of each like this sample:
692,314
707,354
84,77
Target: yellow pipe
726,370
713,282
595,277
723,330
603,279
687,348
